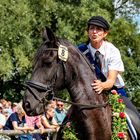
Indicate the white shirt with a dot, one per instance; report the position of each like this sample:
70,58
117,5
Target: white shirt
111,60
2,119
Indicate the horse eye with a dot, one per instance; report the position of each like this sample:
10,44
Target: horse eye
51,53
47,64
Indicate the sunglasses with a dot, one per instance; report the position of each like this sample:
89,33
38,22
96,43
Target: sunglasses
59,105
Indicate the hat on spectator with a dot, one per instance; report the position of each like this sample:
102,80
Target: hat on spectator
99,21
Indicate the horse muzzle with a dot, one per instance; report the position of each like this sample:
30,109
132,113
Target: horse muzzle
32,109
36,97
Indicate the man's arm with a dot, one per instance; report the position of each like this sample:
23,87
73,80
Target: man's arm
99,86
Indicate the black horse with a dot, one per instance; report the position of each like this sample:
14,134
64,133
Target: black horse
55,70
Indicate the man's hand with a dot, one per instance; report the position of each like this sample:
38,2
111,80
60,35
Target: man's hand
97,85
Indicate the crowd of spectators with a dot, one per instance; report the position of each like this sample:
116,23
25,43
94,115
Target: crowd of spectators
13,117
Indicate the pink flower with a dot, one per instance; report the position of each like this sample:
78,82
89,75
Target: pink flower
120,100
122,115
114,92
121,135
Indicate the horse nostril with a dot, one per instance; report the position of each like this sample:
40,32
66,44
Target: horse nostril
27,105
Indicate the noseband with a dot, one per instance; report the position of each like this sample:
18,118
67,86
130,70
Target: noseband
48,95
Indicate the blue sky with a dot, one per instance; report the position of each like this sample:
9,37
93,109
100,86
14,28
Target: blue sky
137,18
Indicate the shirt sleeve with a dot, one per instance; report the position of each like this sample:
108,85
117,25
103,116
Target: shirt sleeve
13,117
115,61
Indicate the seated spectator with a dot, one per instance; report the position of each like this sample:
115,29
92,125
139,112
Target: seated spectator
3,102
17,121
47,118
60,113
48,121
35,121
14,105
53,103
2,118
6,106
1,107
5,113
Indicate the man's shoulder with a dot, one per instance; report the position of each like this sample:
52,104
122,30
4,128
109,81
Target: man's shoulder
109,46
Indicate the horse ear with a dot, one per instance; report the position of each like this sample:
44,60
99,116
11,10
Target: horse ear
48,35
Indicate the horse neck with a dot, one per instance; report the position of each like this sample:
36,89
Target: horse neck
80,78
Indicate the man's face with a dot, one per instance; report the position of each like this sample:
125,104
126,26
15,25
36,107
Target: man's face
60,105
96,33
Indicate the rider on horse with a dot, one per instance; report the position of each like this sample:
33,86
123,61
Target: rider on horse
106,59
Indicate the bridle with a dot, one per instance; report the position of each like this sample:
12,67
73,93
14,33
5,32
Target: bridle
48,95
49,89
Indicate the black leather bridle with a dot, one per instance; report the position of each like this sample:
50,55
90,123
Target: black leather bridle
47,90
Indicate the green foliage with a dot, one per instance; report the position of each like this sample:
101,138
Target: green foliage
15,43
135,97
119,124
126,38
22,22
69,132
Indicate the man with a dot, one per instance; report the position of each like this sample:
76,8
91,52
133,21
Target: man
111,62
59,112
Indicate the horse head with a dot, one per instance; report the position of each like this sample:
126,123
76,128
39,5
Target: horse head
47,69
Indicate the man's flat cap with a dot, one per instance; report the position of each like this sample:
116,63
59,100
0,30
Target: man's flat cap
99,21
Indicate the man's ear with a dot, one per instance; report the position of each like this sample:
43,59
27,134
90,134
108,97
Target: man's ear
106,33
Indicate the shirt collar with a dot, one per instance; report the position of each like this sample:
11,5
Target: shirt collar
101,49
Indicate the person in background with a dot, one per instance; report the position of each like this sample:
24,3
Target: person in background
3,102
6,106
13,106
53,103
48,121
5,113
16,121
60,113
2,117
1,108
35,121
47,118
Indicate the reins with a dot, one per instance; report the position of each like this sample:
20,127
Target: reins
82,106
49,92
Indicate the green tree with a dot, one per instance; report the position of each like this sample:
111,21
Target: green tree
126,38
16,46
22,22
